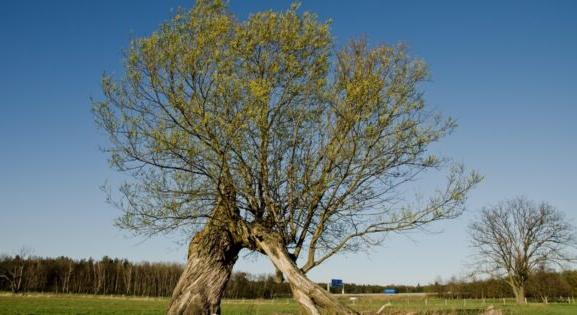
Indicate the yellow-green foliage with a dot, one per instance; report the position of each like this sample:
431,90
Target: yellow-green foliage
270,106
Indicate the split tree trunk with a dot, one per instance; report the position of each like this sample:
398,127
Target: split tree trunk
311,297
211,255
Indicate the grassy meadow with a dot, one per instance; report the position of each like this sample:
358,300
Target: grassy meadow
90,304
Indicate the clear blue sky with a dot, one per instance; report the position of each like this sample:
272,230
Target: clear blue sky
506,70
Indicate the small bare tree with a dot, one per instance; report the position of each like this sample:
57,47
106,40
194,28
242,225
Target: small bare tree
514,238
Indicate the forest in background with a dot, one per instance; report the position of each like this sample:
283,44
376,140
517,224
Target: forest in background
109,276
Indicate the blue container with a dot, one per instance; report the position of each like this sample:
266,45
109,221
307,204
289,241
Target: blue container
390,291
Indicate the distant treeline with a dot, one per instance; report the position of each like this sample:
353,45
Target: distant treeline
121,277
116,277
544,285
87,276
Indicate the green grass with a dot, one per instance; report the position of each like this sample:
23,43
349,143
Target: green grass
71,304
89,304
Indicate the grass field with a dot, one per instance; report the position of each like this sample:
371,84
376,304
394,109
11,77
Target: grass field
78,304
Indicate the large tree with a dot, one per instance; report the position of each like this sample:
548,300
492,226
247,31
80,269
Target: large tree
517,237
260,134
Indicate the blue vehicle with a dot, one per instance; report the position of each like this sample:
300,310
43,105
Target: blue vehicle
390,291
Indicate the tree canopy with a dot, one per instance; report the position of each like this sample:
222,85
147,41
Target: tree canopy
313,138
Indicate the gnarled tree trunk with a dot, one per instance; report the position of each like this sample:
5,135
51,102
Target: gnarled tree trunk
212,254
308,294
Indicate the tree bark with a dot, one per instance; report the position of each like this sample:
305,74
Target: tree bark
311,297
212,254
519,292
